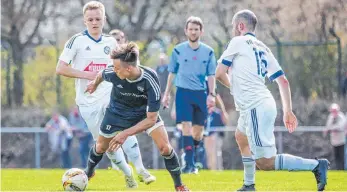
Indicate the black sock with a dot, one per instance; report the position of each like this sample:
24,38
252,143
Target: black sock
173,166
93,160
196,143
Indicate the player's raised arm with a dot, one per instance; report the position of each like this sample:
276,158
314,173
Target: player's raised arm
66,58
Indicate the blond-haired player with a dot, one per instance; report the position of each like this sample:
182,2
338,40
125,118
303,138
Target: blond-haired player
83,56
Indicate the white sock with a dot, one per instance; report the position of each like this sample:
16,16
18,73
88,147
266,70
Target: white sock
132,150
249,170
294,163
119,159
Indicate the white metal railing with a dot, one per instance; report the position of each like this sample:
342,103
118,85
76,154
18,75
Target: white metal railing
38,130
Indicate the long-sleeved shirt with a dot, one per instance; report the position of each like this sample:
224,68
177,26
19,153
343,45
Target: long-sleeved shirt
336,126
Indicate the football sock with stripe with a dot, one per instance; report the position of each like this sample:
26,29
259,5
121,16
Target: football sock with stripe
132,150
294,163
173,166
249,170
93,160
118,158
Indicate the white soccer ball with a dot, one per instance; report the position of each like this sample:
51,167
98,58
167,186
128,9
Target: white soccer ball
74,180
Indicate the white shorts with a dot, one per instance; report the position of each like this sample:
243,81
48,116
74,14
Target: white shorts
258,125
93,115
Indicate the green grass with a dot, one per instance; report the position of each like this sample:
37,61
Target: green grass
109,180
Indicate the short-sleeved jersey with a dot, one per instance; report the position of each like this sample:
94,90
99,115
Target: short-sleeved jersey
250,61
192,66
131,100
87,54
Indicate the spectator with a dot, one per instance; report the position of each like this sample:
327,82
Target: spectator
217,118
335,125
60,137
162,71
81,131
119,36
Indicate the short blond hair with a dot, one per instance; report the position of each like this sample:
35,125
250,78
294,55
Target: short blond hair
92,5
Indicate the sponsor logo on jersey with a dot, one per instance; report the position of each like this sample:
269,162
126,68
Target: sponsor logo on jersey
95,66
87,48
120,86
107,50
140,88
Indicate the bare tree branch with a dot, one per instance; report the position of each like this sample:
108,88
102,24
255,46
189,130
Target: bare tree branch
22,8
142,16
40,19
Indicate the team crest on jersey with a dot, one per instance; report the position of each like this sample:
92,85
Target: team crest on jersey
107,50
140,88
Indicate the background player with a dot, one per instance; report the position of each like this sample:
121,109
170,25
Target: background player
88,52
191,62
249,61
134,106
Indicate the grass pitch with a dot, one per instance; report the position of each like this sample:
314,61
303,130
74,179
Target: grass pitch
110,180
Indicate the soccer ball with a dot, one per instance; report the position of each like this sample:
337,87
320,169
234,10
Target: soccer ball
74,180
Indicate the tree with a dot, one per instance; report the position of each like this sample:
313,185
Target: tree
140,20
20,28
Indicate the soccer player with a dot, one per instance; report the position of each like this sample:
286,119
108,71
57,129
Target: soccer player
249,61
119,36
133,108
133,153
88,52
191,62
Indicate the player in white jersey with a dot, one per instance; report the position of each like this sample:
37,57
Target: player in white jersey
89,52
243,67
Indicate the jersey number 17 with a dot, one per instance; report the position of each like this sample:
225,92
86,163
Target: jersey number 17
261,62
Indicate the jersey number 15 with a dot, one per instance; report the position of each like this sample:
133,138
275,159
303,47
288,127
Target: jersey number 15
261,62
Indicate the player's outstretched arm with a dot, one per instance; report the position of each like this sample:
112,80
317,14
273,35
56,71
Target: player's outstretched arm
91,87
222,75
64,69
289,118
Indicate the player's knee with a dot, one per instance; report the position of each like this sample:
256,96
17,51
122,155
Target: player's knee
100,148
241,139
264,164
165,149
186,128
197,136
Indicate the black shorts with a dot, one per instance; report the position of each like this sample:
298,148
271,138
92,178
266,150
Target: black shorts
112,124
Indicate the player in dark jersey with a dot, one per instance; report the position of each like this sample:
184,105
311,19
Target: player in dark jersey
133,108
